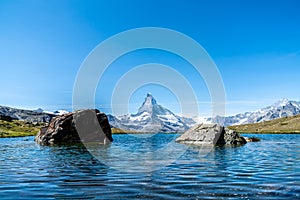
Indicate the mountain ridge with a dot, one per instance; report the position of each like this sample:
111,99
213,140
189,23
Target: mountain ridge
281,108
38,115
153,117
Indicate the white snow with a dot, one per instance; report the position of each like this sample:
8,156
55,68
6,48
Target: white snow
169,118
201,119
57,112
61,112
144,116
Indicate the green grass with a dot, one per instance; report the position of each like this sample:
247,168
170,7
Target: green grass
17,128
118,131
122,131
281,125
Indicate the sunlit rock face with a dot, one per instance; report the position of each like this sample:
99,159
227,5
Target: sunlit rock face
210,134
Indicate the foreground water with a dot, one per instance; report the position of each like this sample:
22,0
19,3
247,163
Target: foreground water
268,169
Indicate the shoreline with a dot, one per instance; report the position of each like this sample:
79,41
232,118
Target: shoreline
285,133
16,128
257,133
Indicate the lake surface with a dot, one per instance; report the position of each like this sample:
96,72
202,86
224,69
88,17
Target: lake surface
269,169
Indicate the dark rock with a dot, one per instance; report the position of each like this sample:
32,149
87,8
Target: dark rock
210,134
76,127
232,137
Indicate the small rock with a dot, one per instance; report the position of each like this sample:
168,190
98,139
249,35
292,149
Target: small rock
252,139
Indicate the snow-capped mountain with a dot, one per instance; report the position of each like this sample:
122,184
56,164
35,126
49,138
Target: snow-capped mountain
26,115
151,117
282,108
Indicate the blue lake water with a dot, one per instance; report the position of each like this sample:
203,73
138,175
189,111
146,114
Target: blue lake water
269,169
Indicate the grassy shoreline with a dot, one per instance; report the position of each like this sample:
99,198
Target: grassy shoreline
16,128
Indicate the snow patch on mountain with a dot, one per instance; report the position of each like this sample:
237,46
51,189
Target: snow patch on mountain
57,112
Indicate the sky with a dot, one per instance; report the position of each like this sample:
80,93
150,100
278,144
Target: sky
254,44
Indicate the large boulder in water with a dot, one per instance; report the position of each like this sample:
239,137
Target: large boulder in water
210,134
76,127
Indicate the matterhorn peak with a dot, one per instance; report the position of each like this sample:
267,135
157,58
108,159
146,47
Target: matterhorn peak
152,117
282,102
148,104
150,97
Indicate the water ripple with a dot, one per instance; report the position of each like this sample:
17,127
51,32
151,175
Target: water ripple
268,169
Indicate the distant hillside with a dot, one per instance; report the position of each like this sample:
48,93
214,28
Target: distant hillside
26,115
282,108
281,125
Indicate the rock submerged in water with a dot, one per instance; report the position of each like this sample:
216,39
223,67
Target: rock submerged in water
76,127
211,134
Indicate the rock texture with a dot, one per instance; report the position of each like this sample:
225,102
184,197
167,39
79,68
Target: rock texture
210,134
76,127
232,137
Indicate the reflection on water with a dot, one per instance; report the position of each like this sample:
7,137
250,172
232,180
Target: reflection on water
268,169
139,154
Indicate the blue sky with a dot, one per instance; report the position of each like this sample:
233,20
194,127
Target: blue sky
255,45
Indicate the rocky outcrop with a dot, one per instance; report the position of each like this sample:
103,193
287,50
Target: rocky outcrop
76,127
232,137
210,134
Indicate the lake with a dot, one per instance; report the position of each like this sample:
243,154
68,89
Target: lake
151,167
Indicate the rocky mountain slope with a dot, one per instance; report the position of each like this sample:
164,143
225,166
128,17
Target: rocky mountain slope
151,117
29,115
282,108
